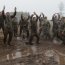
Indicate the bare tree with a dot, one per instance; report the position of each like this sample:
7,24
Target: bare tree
61,8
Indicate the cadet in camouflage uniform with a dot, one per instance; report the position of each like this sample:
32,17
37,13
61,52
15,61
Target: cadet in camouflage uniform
41,20
21,25
2,20
8,29
24,26
61,33
15,26
55,24
63,30
46,29
33,20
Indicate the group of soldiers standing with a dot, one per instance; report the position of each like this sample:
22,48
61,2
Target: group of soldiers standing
59,27
29,27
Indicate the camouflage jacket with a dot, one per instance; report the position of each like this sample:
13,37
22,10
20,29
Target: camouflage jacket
8,20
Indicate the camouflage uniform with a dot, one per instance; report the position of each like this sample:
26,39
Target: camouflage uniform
8,29
34,30
46,29
41,19
55,29
1,21
61,33
24,26
15,26
55,24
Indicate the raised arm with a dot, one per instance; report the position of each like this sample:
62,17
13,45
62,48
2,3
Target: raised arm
3,14
28,17
40,18
12,16
33,15
36,14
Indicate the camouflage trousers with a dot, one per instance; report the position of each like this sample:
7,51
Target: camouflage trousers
15,29
24,29
32,36
55,32
45,33
2,26
8,31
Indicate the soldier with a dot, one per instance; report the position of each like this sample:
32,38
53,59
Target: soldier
8,26
20,23
61,33
15,26
33,21
55,19
24,26
41,19
2,20
46,29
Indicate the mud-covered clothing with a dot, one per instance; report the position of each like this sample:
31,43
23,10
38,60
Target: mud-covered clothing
55,28
46,29
61,32
24,26
34,30
8,29
33,25
15,26
2,21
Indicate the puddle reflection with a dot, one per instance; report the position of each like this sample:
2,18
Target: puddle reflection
11,56
49,55
7,56
17,55
18,64
34,49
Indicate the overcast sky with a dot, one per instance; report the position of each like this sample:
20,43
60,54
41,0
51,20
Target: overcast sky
48,7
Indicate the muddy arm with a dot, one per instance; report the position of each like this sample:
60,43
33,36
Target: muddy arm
12,16
36,16
3,14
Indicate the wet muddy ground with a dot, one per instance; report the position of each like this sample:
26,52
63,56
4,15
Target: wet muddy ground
46,53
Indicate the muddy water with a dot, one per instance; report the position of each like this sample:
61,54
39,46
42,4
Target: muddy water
26,55
48,54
